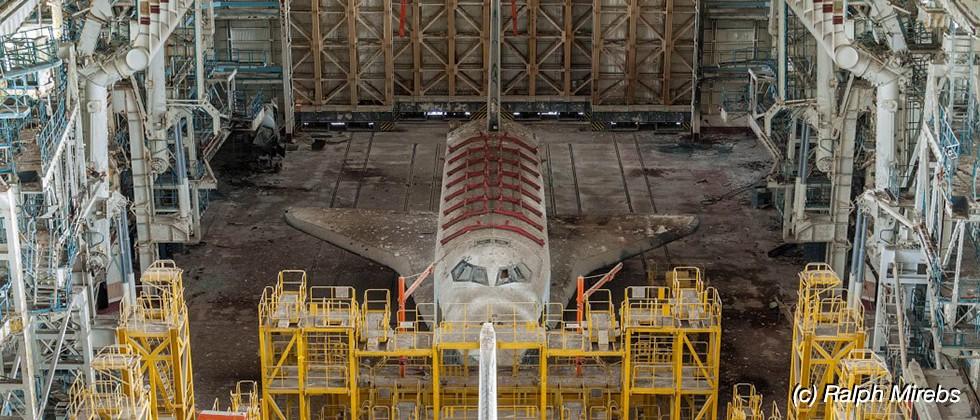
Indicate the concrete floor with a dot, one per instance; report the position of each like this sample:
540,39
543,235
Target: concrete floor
247,241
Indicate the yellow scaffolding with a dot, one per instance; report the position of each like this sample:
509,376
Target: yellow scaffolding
156,328
672,349
825,331
746,404
307,338
863,371
118,391
326,355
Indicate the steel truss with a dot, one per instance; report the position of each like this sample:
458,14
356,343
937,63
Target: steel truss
369,56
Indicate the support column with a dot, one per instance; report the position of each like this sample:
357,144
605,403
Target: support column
887,98
10,254
488,373
98,237
285,38
493,69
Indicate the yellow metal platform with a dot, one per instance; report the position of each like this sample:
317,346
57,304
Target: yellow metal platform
325,354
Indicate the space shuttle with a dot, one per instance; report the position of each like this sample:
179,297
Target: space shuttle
494,252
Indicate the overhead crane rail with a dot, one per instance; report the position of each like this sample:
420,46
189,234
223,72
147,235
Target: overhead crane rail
325,354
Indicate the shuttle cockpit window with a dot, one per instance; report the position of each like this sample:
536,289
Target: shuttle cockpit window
466,272
518,273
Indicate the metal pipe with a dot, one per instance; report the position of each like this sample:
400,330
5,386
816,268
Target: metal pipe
804,153
199,51
98,15
857,261
136,56
900,314
826,98
884,14
126,265
97,106
156,81
183,187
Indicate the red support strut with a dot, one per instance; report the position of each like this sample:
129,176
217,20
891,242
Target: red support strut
401,18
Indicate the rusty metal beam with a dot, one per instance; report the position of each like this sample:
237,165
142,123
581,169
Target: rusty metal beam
349,54
316,49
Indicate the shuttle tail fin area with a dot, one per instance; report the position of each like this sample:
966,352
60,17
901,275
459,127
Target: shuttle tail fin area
582,244
401,240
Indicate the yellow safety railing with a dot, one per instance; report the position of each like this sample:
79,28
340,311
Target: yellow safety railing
600,317
117,390
825,331
413,332
746,403
563,331
685,278
510,322
375,315
160,299
323,345
647,306
284,303
80,402
156,329
470,412
865,371
331,306
245,398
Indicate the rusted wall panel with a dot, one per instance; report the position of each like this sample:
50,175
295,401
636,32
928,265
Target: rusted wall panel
366,55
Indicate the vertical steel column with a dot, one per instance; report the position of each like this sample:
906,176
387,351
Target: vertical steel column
696,74
451,46
633,16
532,46
23,367
316,50
386,44
857,261
417,48
568,41
493,69
781,51
353,67
668,48
285,39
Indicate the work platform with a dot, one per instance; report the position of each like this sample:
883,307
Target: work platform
324,352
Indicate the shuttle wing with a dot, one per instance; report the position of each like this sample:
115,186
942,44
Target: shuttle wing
582,244
404,241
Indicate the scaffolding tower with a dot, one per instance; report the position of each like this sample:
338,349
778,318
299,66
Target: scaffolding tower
866,371
156,327
825,331
117,391
306,339
326,355
672,349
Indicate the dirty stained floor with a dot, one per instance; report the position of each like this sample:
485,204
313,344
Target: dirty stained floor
246,241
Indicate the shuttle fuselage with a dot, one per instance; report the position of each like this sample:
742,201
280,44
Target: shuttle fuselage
492,260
